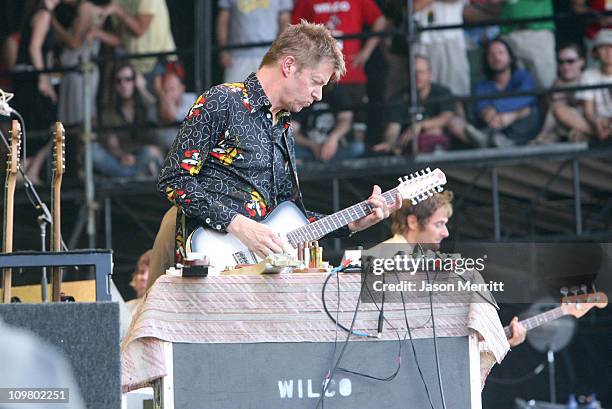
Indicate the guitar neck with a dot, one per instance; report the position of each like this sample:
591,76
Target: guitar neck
327,224
537,320
56,238
9,193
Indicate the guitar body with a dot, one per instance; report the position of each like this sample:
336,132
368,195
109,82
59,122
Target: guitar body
224,250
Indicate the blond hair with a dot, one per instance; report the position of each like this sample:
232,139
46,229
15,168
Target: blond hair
308,43
423,211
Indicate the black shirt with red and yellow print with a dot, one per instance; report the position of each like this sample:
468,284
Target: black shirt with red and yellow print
230,158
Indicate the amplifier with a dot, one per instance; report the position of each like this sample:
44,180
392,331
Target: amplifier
85,274
290,375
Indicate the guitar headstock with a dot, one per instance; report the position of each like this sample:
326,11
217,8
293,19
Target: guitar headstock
15,148
579,304
421,185
59,146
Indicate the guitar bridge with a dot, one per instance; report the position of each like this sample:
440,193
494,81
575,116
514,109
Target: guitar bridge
242,257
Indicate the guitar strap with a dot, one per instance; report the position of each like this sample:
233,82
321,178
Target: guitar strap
298,195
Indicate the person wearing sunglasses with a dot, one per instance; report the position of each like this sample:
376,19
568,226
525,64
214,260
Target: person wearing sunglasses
565,118
598,102
129,148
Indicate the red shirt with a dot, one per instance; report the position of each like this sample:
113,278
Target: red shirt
341,17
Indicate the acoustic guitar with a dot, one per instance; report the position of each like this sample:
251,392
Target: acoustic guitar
59,167
9,205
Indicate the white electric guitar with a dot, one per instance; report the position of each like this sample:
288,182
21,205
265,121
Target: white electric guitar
224,251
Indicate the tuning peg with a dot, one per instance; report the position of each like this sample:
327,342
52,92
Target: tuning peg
584,289
574,290
564,291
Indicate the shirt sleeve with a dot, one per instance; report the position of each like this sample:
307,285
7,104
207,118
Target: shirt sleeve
199,132
587,94
523,82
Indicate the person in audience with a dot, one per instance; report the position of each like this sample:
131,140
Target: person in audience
445,49
533,44
565,118
351,17
511,120
432,130
140,279
598,102
173,103
129,151
595,23
240,22
326,135
144,27
35,97
425,224
82,40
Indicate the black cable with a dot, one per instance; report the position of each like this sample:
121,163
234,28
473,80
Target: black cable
433,326
330,375
435,342
414,353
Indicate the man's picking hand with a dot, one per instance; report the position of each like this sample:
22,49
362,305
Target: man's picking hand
380,210
258,237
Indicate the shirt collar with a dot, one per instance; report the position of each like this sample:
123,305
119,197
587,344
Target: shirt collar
257,96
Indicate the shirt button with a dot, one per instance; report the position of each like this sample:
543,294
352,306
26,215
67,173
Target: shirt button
208,220
269,116
218,227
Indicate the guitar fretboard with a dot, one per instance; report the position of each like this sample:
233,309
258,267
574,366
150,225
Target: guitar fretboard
537,320
327,224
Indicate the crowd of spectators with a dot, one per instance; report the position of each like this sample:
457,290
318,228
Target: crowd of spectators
141,101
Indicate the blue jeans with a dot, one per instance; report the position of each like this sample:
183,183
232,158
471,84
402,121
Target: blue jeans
354,149
109,165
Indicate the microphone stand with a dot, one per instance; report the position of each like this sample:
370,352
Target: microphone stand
42,219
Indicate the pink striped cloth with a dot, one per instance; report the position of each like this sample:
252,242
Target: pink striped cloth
284,308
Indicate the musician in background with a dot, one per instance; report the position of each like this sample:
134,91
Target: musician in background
425,223
140,278
233,160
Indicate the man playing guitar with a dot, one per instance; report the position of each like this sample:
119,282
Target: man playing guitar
233,160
